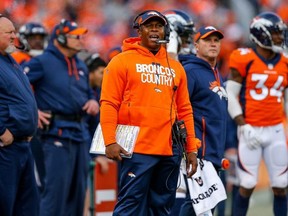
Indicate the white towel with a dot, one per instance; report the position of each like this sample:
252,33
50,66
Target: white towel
206,188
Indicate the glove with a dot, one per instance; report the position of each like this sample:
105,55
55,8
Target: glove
252,138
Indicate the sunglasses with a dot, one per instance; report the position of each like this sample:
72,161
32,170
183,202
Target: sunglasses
74,36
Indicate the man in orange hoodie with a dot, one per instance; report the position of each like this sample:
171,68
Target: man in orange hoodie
144,87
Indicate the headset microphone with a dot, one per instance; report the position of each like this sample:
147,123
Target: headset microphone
162,41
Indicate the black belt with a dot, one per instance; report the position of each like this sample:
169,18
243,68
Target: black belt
74,118
21,139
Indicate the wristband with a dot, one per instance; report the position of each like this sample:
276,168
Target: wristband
196,153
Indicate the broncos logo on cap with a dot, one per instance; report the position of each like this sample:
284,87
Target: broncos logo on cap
152,13
210,28
143,17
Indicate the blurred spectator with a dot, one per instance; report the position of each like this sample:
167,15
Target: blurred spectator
107,21
96,67
282,10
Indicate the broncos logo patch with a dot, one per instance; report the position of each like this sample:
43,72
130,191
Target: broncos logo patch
216,88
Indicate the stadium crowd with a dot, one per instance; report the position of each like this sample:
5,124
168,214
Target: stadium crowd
108,21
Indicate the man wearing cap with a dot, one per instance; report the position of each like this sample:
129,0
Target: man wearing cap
143,87
63,95
208,98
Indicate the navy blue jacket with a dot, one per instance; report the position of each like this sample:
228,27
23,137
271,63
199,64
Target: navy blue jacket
209,102
18,109
93,121
61,85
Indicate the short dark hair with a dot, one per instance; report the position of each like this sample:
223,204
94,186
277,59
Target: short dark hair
94,61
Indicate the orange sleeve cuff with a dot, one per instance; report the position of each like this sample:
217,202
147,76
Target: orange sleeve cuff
193,144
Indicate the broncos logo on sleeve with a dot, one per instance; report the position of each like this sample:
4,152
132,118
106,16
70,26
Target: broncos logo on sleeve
262,87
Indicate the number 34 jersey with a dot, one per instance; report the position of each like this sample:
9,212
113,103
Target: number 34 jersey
263,85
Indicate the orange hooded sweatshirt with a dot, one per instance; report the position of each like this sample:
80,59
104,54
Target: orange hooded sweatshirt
137,90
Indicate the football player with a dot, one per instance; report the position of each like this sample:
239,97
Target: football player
33,38
255,91
181,36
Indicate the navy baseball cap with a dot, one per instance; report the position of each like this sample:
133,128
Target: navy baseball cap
147,15
69,27
204,32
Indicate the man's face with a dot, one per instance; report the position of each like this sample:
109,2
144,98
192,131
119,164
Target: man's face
96,77
36,41
209,47
186,46
7,36
150,32
75,42
277,37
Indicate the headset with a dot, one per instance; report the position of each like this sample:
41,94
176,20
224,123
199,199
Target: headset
89,61
61,36
136,25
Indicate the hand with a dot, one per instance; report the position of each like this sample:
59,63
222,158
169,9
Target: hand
252,138
191,164
114,151
91,107
43,119
104,163
30,138
6,138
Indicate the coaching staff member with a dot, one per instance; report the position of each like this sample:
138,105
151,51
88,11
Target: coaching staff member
142,87
61,85
18,122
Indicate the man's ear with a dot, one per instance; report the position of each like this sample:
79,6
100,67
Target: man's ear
196,46
139,31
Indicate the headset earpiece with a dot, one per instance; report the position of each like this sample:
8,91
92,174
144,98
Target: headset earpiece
166,27
135,23
61,36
